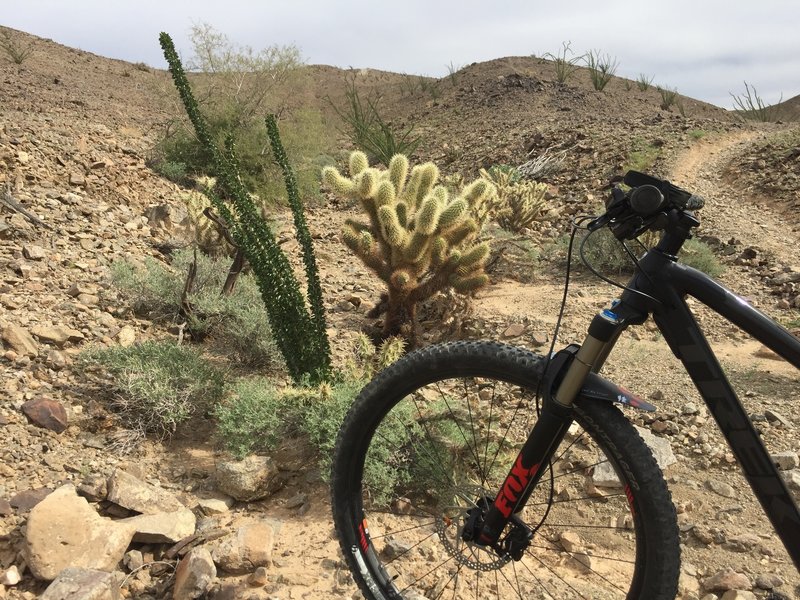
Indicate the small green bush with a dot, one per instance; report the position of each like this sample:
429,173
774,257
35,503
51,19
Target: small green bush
601,68
642,156
565,62
251,419
238,322
669,96
751,106
643,82
158,385
13,48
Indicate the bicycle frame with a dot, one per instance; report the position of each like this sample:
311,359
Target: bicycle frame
659,289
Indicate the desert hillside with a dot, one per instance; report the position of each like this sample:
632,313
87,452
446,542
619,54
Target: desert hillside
77,133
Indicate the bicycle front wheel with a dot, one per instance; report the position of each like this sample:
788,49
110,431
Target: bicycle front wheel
428,443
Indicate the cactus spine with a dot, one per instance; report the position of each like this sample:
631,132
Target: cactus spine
419,239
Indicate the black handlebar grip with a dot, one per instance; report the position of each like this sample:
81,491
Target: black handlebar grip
645,200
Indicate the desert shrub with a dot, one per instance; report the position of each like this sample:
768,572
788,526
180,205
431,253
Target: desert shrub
237,323
417,239
452,72
158,385
565,62
520,203
642,156
697,134
252,418
238,87
606,254
368,130
669,96
601,68
751,106
13,48
643,82
299,330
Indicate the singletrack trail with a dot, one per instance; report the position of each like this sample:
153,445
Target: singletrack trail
728,213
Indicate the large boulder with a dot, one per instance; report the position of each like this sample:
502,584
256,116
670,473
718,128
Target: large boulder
134,494
250,479
194,575
64,531
246,549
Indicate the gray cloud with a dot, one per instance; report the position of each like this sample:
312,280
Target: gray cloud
705,49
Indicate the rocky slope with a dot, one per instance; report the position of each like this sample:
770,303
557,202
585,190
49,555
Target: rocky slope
75,133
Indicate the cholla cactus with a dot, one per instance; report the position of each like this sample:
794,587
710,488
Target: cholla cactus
520,202
207,235
418,238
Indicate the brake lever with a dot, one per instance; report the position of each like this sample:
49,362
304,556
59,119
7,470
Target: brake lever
615,208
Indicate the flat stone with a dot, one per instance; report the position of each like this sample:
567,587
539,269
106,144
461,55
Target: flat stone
721,488
776,417
738,595
215,506
786,461
162,528
46,413
26,500
134,494
250,479
34,252
57,334
514,330
19,339
83,584
63,531
194,575
246,549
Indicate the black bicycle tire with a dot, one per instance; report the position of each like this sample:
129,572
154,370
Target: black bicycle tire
658,551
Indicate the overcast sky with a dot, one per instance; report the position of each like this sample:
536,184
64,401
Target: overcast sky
704,48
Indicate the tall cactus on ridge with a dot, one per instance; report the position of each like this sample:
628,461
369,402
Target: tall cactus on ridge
418,239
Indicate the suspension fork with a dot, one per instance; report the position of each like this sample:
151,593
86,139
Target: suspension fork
562,383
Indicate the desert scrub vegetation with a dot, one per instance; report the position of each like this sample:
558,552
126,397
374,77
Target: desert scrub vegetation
236,323
368,130
565,62
669,96
643,82
14,49
299,330
520,203
751,106
158,385
601,68
237,86
642,156
417,238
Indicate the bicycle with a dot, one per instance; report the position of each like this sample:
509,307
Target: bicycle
482,470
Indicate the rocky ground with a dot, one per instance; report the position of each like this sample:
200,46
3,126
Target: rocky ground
178,516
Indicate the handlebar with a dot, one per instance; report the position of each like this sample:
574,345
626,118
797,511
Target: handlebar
649,204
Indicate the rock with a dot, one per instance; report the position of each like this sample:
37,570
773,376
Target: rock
133,559
57,334
738,595
19,339
5,508
82,584
126,337
56,359
94,488
786,461
246,549
776,417
721,488
34,252
26,500
46,413
258,578
768,581
77,179
11,576
725,580
64,531
514,330
134,494
570,541
162,528
217,505
604,475
194,575
250,479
